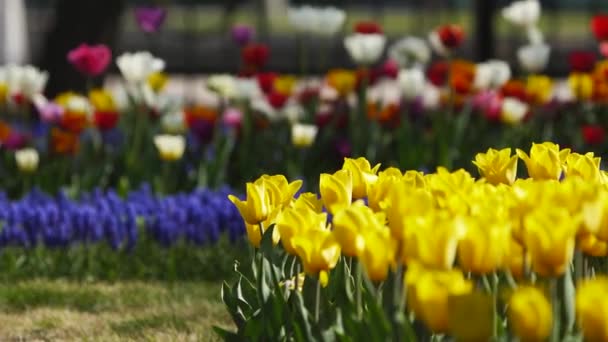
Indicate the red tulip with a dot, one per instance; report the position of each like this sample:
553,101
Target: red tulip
438,73
277,100
368,27
255,55
451,36
599,26
582,61
266,81
90,60
593,134
105,121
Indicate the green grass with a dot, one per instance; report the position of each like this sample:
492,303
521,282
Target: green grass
98,311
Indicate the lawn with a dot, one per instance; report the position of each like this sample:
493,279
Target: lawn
97,311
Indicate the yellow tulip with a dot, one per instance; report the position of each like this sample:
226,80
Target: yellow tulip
484,247
256,208
284,84
429,292
279,190
530,315
255,231
581,85
157,81
362,173
497,166
592,309
343,81
379,253
539,88
378,191
549,236
3,92
432,240
404,201
591,245
595,216
414,179
336,190
517,260
310,200
545,160
102,100
585,166
292,221
319,252
350,226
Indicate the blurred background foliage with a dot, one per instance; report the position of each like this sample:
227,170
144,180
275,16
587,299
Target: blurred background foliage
195,38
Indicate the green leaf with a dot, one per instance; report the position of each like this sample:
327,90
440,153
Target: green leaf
226,335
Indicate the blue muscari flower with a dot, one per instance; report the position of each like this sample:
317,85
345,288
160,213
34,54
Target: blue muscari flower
198,218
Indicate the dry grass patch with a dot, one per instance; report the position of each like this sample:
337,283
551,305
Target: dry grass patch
71,311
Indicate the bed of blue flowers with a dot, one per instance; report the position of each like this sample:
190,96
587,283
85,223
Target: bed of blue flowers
103,235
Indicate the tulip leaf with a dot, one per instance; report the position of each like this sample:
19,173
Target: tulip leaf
226,335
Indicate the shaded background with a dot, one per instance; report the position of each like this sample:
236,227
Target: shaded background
195,39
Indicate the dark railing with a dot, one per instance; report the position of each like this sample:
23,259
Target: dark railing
194,39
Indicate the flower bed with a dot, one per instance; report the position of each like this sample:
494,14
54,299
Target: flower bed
142,233
392,255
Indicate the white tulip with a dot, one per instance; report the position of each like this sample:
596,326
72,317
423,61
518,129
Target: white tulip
412,82
365,49
533,57
303,135
26,80
523,13
513,110
410,52
293,112
386,92
247,88
224,85
329,21
27,159
173,122
437,45
78,104
170,147
431,97
492,74
137,67
323,21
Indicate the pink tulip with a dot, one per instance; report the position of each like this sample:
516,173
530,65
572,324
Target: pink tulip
232,117
90,60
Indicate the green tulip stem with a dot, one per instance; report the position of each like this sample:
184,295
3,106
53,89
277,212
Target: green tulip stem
317,300
297,281
358,288
555,303
495,319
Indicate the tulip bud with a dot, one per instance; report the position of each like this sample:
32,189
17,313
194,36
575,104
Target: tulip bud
303,135
170,147
592,309
27,159
530,315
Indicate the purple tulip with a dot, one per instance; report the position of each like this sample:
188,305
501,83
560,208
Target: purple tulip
15,141
149,18
343,148
242,34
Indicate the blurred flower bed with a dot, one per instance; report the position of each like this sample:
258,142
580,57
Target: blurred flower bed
412,104
408,110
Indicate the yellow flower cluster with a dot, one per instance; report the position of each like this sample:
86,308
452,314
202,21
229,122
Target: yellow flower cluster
448,228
